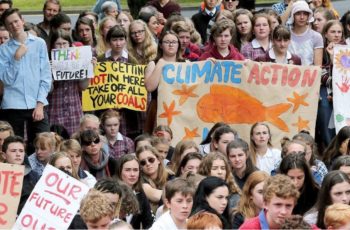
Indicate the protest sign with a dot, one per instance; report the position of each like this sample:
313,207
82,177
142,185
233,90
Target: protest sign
11,181
73,63
116,85
341,86
53,202
194,96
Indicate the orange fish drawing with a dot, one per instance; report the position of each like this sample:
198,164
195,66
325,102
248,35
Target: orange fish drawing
235,106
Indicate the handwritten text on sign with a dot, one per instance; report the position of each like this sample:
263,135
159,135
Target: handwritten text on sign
197,95
116,85
53,203
72,63
11,181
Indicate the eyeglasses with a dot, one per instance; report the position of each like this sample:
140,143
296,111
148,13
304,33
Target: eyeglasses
150,160
168,43
87,143
137,32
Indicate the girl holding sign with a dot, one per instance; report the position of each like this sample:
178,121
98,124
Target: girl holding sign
64,99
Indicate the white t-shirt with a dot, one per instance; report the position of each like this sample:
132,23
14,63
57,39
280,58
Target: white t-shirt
268,161
164,222
304,44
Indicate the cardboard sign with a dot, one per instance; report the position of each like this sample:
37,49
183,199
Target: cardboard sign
341,86
11,182
53,202
73,63
116,85
194,96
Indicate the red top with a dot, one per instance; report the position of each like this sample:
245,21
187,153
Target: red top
214,53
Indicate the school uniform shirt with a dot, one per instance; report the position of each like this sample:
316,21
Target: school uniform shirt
165,222
271,57
122,145
268,161
253,50
213,52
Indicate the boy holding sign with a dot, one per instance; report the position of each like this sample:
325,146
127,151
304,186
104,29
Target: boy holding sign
13,152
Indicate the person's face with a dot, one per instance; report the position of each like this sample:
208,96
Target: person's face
297,176
218,169
3,7
43,154
14,24
65,164
180,206
334,34
76,159
222,41
244,25
61,43
123,21
102,223
107,26
85,33
319,22
130,172
210,4
15,153
164,134
191,166
170,45
90,124
4,36
317,3
93,148
230,5
187,151
113,12
340,193
143,143
295,147
163,149
261,28
153,24
137,33
345,169
225,138
281,45
149,163
274,22
66,26
257,195
3,136
118,44
218,199
278,209
111,127
237,158
260,135
301,18
50,10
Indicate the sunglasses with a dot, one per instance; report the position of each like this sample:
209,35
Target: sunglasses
150,160
87,143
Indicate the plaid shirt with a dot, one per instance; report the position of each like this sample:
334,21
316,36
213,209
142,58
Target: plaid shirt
65,105
253,50
123,145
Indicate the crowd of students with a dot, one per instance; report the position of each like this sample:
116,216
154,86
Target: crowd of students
137,178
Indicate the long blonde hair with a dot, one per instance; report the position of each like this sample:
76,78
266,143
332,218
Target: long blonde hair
245,206
149,46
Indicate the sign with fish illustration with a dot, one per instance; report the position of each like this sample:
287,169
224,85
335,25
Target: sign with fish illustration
192,97
341,86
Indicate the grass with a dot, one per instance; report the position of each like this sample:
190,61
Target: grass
36,5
